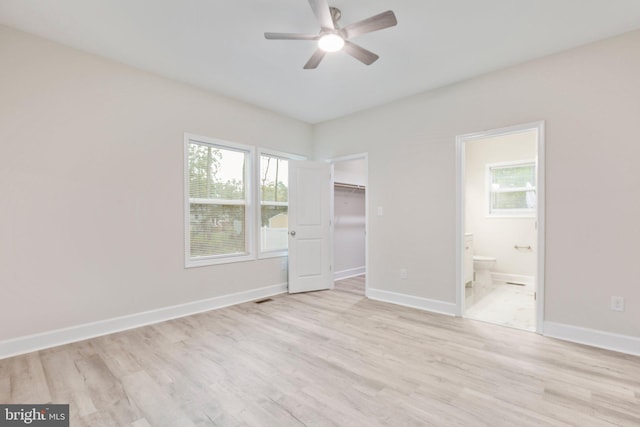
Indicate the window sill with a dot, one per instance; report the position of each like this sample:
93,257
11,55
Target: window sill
274,254
514,216
203,262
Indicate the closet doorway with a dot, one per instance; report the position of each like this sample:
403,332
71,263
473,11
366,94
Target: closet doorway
350,223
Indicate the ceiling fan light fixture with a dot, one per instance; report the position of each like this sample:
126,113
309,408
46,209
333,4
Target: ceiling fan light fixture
333,38
331,43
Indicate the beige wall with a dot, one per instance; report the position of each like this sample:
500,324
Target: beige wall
590,100
91,182
350,172
497,236
91,187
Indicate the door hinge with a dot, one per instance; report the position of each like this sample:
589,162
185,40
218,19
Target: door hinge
535,296
330,266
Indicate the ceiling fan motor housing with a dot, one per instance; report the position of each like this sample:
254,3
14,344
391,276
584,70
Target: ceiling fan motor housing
336,14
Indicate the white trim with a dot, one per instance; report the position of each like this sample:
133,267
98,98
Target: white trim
352,272
460,283
528,281
502,131
332,216
219,259
358,156
592,337
434,306
224,202
283,253
35,342
186,207
541,224
511,214
274,203
511,163
280,154
539,126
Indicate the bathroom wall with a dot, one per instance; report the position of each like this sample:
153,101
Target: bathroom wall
349,219
497,236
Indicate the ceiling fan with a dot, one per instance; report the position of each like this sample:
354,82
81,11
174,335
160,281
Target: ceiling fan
333,38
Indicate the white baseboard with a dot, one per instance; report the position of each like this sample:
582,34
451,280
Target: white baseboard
607,340
352,272
434,306
513,278
35,342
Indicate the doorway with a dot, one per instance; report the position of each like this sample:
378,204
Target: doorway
349,224
500,230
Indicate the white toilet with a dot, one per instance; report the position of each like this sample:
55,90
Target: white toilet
482,266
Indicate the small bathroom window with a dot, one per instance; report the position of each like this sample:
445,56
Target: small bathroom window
511,189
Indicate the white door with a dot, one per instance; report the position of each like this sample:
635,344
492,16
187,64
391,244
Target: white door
309,226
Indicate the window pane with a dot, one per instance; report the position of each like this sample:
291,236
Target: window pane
217,230
274,179
513,200
273,231
216,173
513,176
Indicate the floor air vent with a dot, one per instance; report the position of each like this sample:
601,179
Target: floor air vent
263,300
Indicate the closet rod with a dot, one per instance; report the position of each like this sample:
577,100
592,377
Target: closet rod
351,186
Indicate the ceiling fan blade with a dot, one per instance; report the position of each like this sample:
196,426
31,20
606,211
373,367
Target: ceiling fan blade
378,22
360,53
322,12
315,59
290,36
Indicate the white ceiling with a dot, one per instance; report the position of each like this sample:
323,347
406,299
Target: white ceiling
219,45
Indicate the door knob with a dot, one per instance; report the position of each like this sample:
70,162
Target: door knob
293,233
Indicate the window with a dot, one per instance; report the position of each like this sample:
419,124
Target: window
511,188
218,206
222,220
274,203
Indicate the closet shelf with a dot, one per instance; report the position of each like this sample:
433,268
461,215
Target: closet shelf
349,186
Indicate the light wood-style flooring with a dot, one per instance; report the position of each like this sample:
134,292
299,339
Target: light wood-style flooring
323,359
354,285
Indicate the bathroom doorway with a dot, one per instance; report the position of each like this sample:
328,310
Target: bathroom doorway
350,223
501,226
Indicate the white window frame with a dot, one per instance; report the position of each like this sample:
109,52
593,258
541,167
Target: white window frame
509,213
258,223
249,203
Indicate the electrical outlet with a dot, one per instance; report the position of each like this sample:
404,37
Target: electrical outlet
403,273
617,303
380,211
